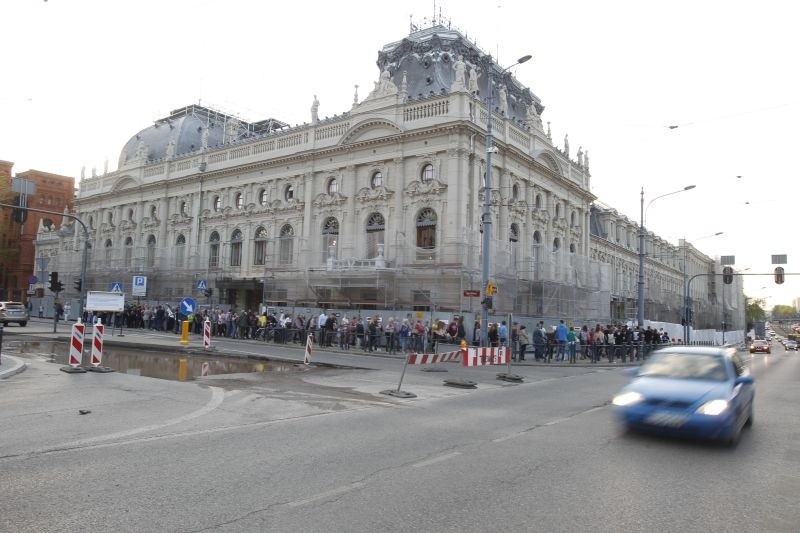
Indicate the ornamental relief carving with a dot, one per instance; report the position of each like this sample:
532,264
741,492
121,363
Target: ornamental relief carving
417,188
576,232
378,194
518,208
541,216
107,227
127,225
495,200
324,200
560,223
148,222
177,220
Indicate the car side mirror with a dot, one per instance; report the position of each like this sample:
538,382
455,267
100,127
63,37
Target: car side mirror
744,380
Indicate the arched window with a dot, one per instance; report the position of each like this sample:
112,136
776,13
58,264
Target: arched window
48,223
130,215
107,252
537,203
376,230
213,250
288,193
263,197
128,251
236,248
153,212
556,244
286,252
558,210
217,203
150,259
180,251
91,222
184,209
110,217
426,175
239,200
572,247
426,234
515,192
333,186
376,180
330,239
573,219
513,239
260,248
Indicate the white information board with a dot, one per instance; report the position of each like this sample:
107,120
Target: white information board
105,301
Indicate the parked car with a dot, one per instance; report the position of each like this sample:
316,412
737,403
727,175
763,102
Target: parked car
687,391
760,346
13,312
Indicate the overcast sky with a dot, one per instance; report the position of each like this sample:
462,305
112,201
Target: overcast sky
83,76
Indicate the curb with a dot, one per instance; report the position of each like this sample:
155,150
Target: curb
17,367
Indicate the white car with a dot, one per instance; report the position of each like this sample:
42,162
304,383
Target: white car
13,312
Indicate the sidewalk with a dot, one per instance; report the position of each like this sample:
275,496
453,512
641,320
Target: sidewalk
10,366
142,338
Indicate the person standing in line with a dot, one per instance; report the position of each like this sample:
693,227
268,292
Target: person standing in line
522,339
538,342
41,311
561,339
572,340
502,333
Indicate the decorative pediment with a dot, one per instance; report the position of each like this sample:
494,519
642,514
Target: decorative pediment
371,129
124,182
416,188
378,194
324,200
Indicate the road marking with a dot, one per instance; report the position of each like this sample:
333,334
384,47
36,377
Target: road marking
435,460
333,493
217,396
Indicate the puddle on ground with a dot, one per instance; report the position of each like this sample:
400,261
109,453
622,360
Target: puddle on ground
151,363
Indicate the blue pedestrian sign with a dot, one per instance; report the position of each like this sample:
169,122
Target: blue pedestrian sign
202,285
188,306
116,286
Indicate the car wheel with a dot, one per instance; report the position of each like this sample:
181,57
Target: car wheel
733,440
749,422
23,324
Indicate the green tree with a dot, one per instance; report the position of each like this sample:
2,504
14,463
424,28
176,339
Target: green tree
754,311
783,311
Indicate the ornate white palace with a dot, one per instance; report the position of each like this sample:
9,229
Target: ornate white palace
378,207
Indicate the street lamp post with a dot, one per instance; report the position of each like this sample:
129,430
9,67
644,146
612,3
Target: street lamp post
486,218
642,213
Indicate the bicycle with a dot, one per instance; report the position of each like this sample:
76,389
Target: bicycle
265,334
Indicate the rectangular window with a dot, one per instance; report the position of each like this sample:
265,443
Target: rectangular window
236,254
213,256
260,257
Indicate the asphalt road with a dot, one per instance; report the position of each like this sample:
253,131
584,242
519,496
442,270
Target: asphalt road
323,450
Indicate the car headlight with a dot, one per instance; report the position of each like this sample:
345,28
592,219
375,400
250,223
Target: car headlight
627,398
713,408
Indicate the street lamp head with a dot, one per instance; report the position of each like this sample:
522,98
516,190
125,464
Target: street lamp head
689,187
523,59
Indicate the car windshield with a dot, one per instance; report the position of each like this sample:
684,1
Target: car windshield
685,366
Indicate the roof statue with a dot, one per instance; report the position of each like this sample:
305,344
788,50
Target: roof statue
473,79
384,86
502,100
566,145
580,156
315,110
459,79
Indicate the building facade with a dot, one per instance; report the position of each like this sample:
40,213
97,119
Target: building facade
18,262
376,208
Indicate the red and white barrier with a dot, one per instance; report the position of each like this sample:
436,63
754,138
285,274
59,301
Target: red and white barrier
430,358
309,344
76,345
207,333
486,356
97,343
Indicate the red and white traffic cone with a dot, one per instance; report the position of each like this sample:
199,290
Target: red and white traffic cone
207,334
98,329
309,343
75,356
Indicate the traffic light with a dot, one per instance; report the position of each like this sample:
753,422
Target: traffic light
52,280
209,293
778,275
727,275
487,301
77,284
59,286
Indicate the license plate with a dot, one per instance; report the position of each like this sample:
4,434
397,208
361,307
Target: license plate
666,419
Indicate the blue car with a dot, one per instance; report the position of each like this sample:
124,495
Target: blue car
685,391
